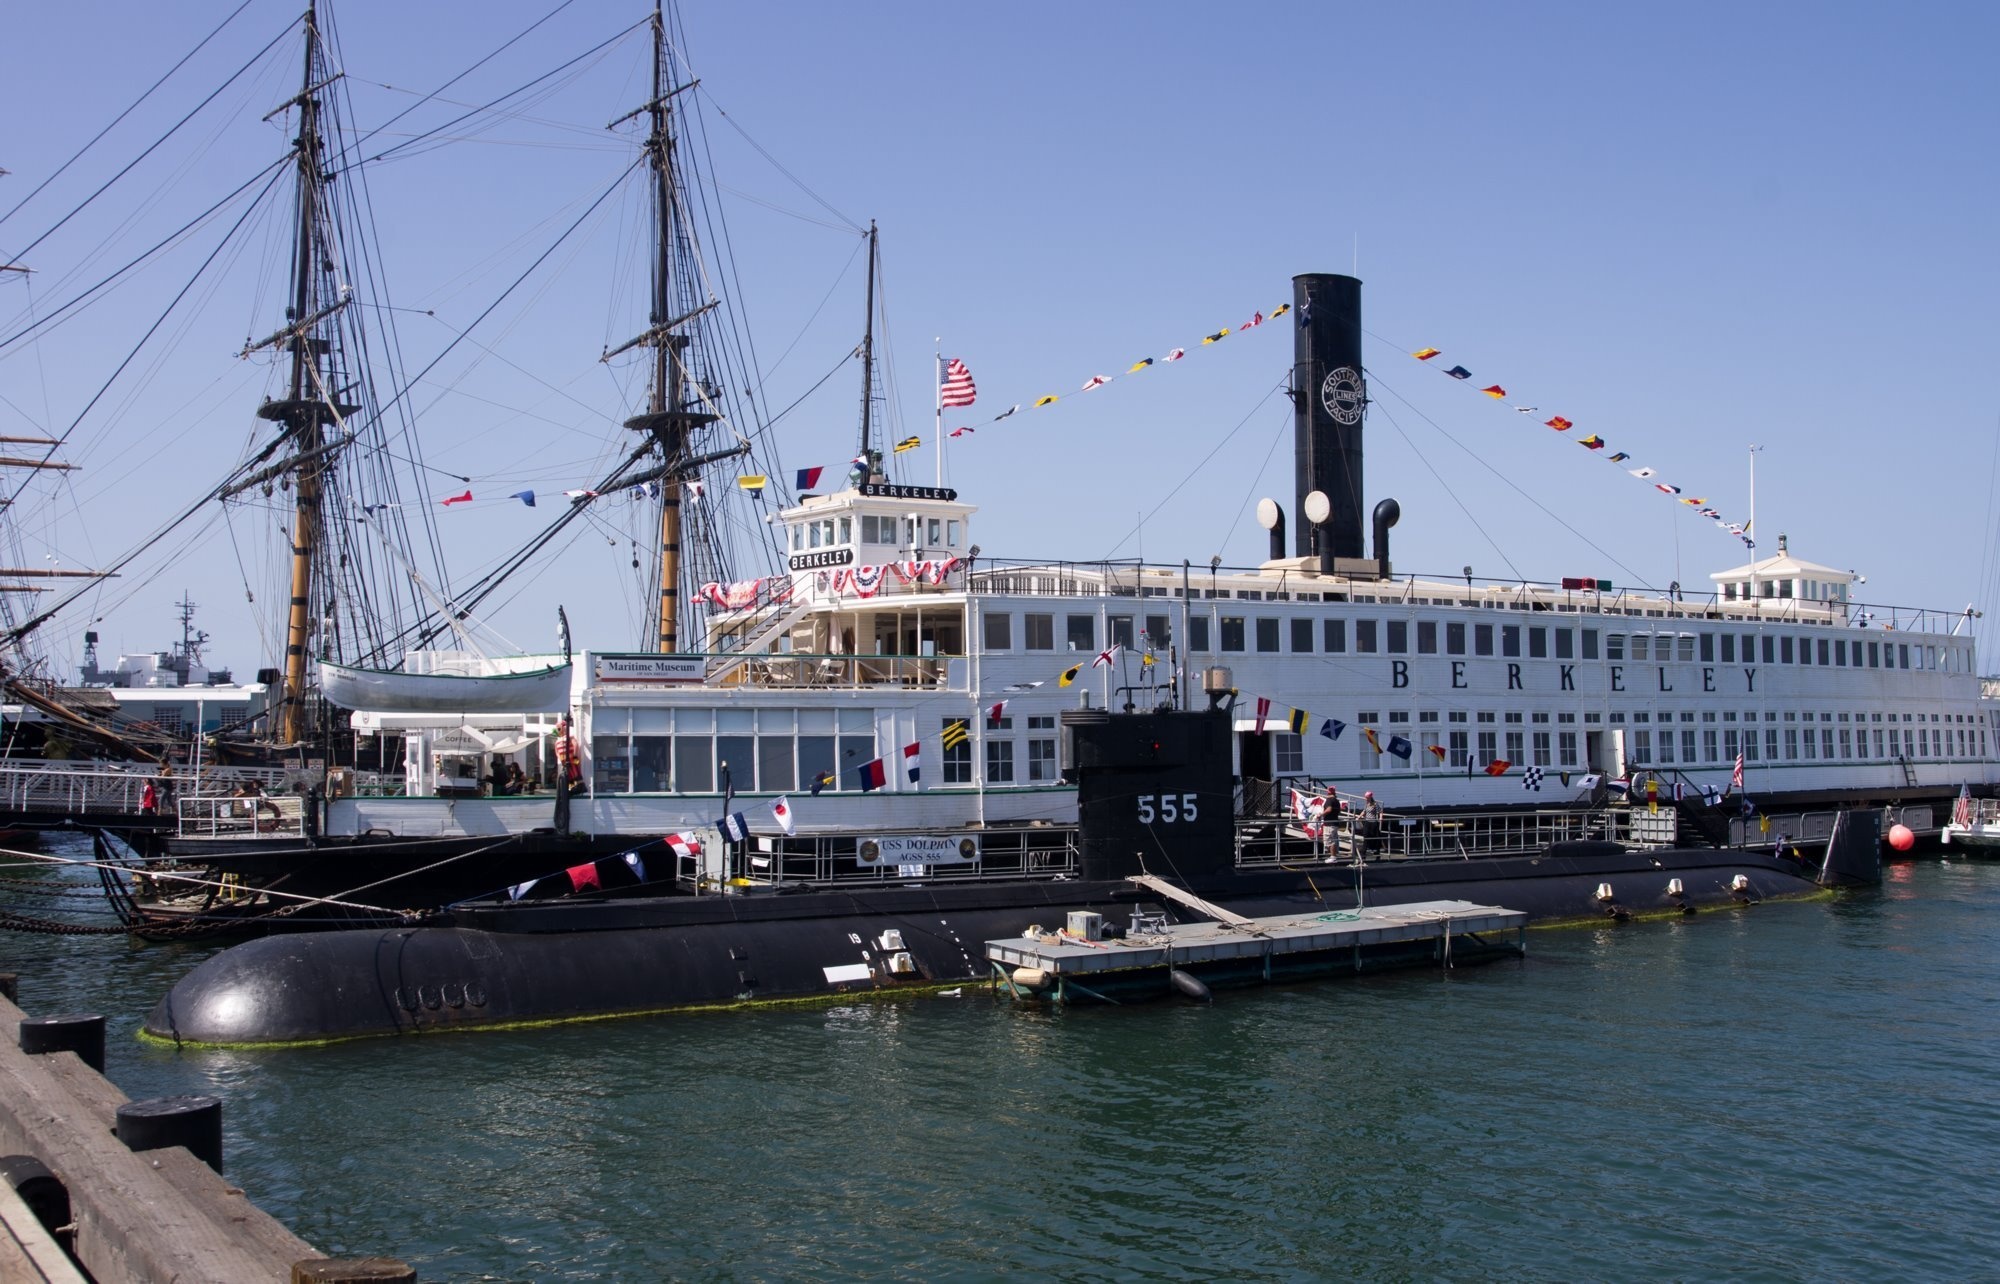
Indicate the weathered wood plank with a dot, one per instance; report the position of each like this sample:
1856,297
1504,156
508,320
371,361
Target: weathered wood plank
27,1251
160,1215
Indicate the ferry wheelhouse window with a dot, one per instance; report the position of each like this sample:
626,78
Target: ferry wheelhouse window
999,760
1510,640
1159,631
1302,635
1042,767
1454,637
1565,644
1538,643
1364,636
1399,637
1708,647
1198,633
1038,631
1267,634
1590,644
1427,637
999,630
1082,632
957,758
1121,631
1614,645
1232,633
1482,639
1335,635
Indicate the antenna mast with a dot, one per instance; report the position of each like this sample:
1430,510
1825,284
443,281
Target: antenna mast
868,345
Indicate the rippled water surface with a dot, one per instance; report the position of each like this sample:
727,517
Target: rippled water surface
1787,1092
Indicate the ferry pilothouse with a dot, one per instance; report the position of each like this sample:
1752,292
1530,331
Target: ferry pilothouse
903,689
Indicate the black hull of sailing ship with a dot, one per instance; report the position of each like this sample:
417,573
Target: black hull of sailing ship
501,963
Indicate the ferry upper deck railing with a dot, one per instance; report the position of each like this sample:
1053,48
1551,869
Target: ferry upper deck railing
1037,852
258,815
58,786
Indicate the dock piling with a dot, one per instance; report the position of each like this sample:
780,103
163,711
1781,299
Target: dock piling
158,1122
78,1032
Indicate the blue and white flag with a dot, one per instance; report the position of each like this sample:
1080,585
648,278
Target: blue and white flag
518,890
637,866
735,828
1332,728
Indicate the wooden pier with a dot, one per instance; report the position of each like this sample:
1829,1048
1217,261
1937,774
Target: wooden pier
1056,964
133,1215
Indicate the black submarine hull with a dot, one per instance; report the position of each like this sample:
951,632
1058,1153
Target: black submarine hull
536,964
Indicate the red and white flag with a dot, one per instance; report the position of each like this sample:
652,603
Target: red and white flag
781,811
1736,777
957,389
993,713
1263,712
910,761
683,844
1107,655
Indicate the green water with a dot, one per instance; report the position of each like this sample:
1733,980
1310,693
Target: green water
1792,1091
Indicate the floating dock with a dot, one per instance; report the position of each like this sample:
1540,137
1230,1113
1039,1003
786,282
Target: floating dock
1079,962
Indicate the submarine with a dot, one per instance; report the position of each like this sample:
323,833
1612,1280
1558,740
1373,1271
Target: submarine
622,952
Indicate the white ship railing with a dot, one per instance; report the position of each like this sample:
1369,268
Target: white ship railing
1034,853
259,816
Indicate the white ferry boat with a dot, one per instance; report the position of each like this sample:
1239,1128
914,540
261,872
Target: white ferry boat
892,632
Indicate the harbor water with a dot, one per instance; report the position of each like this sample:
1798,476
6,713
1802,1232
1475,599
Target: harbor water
1788,1091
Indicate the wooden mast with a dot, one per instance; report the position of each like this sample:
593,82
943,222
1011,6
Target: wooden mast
667,419
301,410
868,346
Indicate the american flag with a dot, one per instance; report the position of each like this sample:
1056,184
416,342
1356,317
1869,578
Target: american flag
1961,811
1736,777
957,389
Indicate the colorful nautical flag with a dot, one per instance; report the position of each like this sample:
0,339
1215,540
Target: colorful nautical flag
525,496
1436,751
466,498
1003,414
872,775
1592,442
1107,655
1280,310
1591,781
1498,767
579,494
683,844
1299,722
781,811
636,865
821,781
753,482
1069,675
1561,424
995,711
912,759
1617,457
1217,337
1332,728
1532,779
1175,355
1459,372
1495,391
1642,472
582,876
1373,741
957,388
1400,747
734,827
1256,320
908,443
1044,401
1424,354
1095,381
519,890
1139,365
1665,489
960,432
955,734
809,478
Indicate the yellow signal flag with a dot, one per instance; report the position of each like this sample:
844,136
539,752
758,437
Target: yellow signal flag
1147,659
1217,337
908,443
1280,310
1069,675
1425,354
752,482
1299,721
956,735
1045,401
1139,365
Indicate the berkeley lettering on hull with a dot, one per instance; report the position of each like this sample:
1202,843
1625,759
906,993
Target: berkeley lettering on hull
826,557
650,668
918,849
887,491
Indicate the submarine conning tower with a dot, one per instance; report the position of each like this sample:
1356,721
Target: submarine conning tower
1329,404
1154,792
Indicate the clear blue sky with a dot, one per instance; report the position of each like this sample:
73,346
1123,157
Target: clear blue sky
1688,229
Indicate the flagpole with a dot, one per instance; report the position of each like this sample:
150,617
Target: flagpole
937,392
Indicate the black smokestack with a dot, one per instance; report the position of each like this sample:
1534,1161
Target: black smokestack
1328,398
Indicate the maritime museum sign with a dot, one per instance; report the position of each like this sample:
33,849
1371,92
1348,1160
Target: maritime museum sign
649,668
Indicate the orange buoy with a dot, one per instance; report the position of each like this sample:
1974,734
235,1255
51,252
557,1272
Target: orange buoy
1901,838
